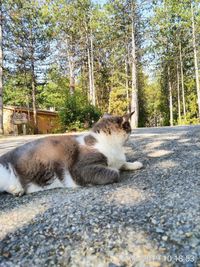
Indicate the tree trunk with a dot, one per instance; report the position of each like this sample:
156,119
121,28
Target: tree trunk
28,108
170,96
178,94
26,87
195,60
90,75
90,54
27,97
1,72
134,96
92,69
71,69
126,84
182,80
33,87
71,80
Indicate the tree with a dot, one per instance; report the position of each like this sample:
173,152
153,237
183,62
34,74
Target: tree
134,91
178,93
126,41
30,32
100,52
76,31
1,70
170,96
182,80
195,58
172,30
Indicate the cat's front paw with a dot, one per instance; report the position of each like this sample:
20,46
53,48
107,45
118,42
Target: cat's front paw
137,165
131,166
16,191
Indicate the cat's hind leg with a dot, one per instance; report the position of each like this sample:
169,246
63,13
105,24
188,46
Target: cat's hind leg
97,174
9,181
130,166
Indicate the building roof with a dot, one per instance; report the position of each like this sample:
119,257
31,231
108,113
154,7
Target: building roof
39,111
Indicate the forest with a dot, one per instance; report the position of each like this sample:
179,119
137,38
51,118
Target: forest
84,58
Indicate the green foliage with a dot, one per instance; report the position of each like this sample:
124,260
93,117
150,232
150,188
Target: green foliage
55,91
16,91
77,112
14,96
154,111
118,101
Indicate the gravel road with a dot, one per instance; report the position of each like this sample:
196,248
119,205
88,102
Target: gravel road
150,218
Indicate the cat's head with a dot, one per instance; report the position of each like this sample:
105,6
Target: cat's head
110,125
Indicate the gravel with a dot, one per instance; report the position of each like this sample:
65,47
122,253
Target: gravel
150,218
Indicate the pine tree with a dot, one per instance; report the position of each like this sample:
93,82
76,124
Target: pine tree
1,70
30,32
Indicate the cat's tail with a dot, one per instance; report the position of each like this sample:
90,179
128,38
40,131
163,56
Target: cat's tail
9,181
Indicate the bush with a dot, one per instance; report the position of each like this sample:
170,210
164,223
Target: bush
189,120
77,113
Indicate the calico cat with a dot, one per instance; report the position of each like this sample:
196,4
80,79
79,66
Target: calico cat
69,161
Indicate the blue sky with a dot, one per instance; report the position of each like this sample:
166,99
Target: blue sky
100,1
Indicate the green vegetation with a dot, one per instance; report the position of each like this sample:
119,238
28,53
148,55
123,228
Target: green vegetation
84,59
77,112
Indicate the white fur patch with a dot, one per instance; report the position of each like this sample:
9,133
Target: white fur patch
31,188
9,181
36,188
80,139
132,166
112,147
68,181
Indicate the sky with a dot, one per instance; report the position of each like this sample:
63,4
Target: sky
100,1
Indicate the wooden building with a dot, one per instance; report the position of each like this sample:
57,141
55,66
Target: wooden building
48,121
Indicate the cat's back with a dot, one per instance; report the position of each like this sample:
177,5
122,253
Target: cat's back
60,147
47,148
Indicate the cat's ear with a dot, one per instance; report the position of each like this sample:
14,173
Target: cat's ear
128,116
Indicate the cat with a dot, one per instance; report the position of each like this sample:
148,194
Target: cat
94,158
